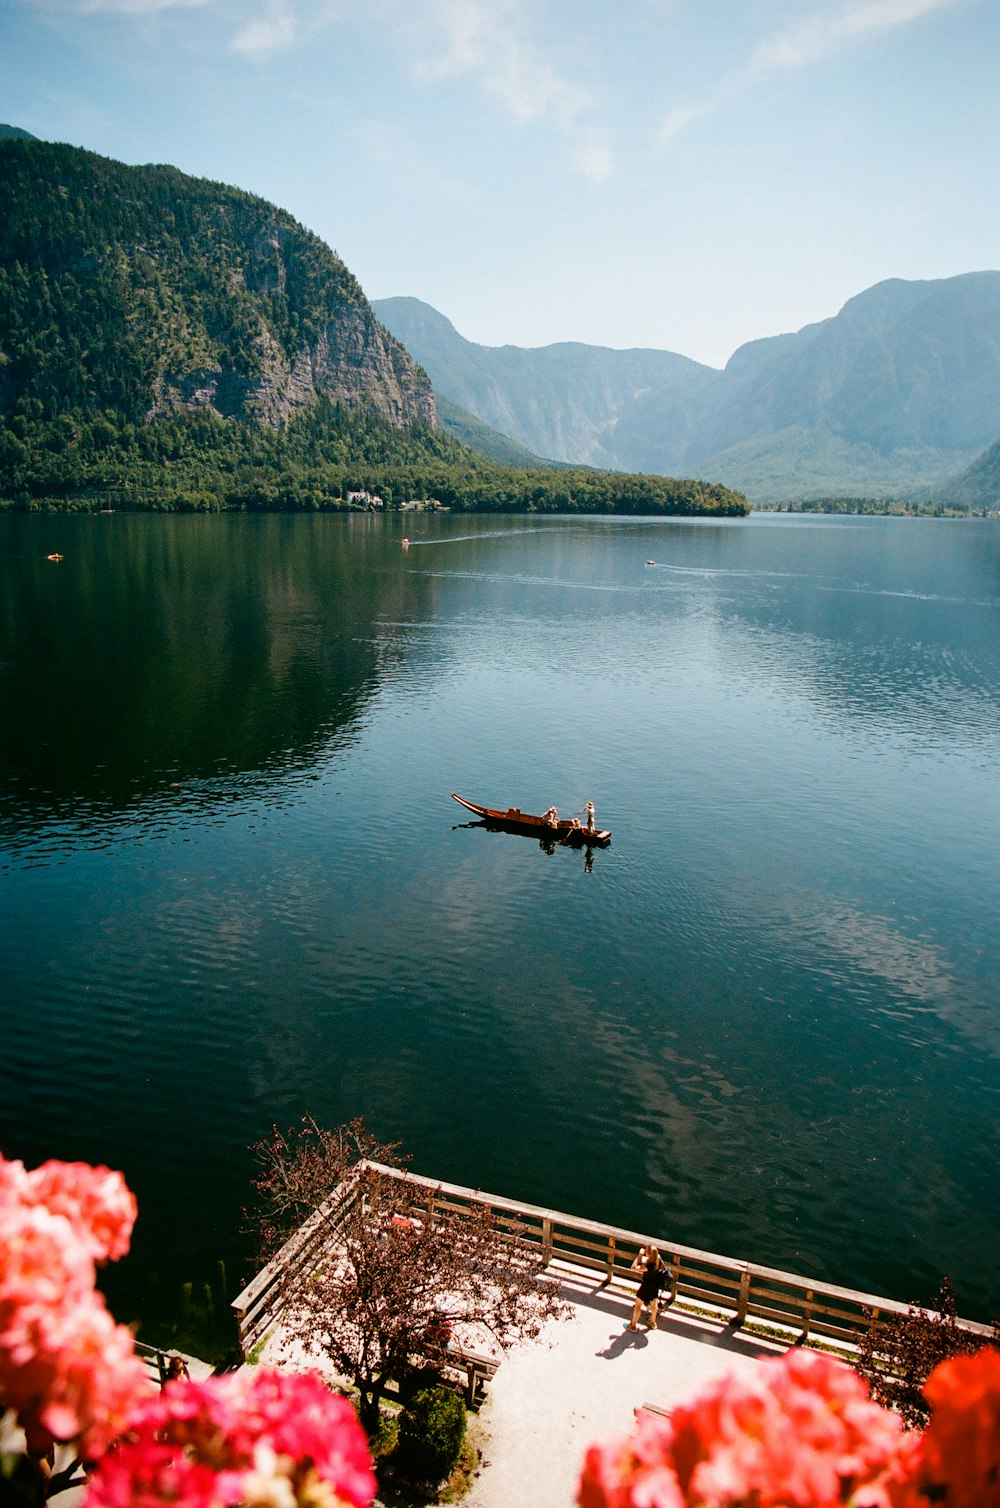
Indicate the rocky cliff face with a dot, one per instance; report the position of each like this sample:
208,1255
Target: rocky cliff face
352,361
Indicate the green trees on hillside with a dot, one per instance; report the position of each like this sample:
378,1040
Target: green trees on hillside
197,461
113,276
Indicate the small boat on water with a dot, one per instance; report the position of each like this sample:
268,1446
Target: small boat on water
559,829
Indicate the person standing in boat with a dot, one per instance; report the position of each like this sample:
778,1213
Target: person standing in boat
589,820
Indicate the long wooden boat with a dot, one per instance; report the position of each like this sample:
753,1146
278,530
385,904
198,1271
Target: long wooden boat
513,820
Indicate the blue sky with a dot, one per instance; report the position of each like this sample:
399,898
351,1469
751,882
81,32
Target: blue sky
683,174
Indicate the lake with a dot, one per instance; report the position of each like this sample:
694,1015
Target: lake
765,1021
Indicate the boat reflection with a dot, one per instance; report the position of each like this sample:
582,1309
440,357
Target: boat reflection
547,844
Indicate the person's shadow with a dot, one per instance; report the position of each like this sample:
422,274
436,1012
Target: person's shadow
627,1340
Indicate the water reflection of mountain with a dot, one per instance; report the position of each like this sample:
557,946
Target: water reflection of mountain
174,660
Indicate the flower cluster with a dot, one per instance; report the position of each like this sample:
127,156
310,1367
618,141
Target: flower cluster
802,1432
66,1369
957,1461
260,1438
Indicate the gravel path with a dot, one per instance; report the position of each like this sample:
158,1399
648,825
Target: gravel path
581,1382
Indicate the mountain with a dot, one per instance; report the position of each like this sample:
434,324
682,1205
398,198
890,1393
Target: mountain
562,400
488,442
977,487
15,133
896,392
170,342
147,291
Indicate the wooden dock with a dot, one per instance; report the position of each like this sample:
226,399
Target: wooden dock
743,1292
584,1379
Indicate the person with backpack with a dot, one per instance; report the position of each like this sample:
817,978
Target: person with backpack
653,1276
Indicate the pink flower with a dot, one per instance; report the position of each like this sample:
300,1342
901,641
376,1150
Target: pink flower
802,1432
633,1472
97,1202
43,1261
69,1372
257,1437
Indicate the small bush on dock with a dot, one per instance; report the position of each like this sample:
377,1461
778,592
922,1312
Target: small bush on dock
431,1432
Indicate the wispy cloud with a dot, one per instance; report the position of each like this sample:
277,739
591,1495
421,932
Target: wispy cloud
495,44
825,34
680,117
497,47
135,7
489,41
492,44
274,31
594,158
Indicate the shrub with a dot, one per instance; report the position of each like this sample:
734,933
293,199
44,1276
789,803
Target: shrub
431,1431
899,1352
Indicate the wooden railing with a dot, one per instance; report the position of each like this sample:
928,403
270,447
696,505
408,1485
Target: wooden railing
155,1360
260,1305
740,1291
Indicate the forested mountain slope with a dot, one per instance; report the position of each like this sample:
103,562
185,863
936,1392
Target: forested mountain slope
978,486
144,290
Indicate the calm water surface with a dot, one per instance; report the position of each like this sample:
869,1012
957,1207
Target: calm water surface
233,887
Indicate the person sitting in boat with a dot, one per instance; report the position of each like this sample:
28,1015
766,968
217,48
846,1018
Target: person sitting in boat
552,817
588,817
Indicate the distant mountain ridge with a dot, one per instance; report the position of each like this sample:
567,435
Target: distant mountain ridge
559,400
898,391
471,431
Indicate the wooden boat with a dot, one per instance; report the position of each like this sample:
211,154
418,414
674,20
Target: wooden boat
513,820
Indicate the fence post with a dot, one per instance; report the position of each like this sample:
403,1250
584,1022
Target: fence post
546,1241
611,1257
744,1298
241,1315
675,1276
807,1313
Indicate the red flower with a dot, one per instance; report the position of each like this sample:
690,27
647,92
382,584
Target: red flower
958,1464
97,1202
256,1437
802,1432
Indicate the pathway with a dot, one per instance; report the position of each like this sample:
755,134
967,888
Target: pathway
581,1382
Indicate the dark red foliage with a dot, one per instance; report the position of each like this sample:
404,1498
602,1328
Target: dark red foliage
900,1351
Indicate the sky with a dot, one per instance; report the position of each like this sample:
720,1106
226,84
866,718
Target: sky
679,174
